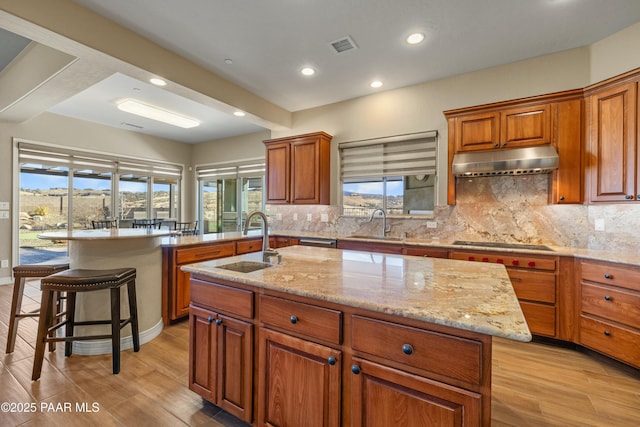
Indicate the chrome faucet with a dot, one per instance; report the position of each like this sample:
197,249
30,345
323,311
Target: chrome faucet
267,252
385,228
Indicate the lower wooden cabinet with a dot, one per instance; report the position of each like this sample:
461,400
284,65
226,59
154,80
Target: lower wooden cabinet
221,361
300,382
382,396
610,310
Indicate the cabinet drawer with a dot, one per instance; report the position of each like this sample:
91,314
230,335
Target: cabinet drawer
618,305
616,341
204,253
533,285
611,275
419,348
310,320
508,259
246,246
541,318
222,298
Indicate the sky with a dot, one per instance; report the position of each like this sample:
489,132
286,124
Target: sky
30,181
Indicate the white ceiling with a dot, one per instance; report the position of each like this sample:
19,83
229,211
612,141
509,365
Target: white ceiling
269,41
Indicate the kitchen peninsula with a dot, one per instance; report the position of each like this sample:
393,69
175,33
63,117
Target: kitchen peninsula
339,337
116,248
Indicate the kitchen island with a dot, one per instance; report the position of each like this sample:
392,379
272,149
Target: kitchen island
338,337
116,248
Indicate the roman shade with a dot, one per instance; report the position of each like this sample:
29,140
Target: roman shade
401,155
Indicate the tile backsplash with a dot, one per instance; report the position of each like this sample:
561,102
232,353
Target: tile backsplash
505,209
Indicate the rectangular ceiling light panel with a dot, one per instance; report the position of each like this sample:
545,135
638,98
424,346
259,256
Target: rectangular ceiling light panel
154,113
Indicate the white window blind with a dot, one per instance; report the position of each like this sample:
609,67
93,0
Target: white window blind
40,155
401,155
236,170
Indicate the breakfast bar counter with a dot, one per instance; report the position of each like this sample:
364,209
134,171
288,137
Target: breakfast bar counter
117,248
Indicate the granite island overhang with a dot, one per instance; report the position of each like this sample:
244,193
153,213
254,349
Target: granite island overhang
416,330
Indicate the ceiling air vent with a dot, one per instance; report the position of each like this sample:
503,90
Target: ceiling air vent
344,44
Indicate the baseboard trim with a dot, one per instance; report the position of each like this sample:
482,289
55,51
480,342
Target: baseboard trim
95,347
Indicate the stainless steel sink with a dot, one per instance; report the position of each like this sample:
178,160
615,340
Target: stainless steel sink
387,238
245,266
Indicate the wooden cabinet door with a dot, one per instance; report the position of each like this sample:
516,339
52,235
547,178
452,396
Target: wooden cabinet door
181,295
235,367
612,144
477,131
525,126
566,182
300,382
383,396
277,172
305,175
203,343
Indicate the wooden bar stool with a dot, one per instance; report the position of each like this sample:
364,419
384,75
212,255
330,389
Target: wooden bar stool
80,280
20,273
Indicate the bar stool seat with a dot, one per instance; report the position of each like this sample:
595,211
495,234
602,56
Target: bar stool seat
80,280
20,273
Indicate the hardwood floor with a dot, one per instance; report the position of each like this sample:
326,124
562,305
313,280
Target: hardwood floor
533,384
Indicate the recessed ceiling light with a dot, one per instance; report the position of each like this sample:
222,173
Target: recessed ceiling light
239,113
158,82
308,71
375,84
155,113
228,61
415,38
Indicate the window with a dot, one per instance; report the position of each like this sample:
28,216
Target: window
67,189
397,174
227,192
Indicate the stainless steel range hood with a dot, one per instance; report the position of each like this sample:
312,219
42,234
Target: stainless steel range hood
515,161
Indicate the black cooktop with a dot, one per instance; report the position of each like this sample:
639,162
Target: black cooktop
503,245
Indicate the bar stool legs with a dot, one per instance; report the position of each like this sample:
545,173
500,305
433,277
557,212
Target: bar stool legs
20,274
78,280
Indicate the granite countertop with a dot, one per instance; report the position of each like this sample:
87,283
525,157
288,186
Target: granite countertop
628,258
471,296
104,234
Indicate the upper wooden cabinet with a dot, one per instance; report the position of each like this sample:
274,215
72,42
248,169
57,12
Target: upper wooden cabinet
298,169
555,119
509,128
612,145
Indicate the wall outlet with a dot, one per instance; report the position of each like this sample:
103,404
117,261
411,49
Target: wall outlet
4,214
309,217
324,217
432,224
4,206
4,263
295,216
279,216
599,224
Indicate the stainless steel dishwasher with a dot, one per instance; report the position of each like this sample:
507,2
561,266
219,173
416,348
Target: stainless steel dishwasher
318,242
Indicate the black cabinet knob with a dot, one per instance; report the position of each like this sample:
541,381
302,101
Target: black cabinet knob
561,198
628,197
608,276
218,322
607,298
293,319
607,333
496,145
209,319
407,349
331,360
355,369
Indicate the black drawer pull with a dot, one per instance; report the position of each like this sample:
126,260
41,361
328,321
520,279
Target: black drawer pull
607,333
209,319
293,320
608,276
218,322
355,369
607,298
407,349
331,360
